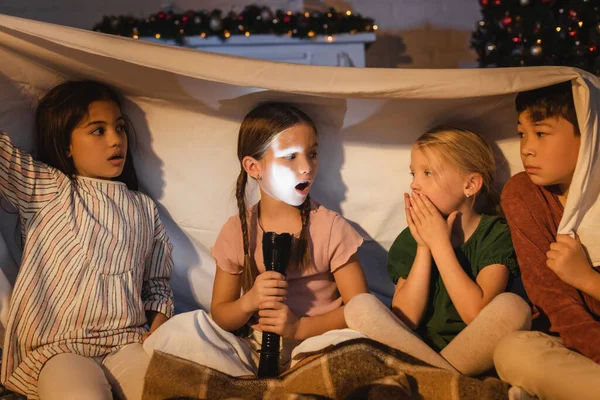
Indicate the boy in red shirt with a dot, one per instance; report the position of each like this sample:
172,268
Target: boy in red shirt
557,274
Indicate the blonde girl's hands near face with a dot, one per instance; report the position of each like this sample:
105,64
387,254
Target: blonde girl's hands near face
411,224
276,317
268,286
431,226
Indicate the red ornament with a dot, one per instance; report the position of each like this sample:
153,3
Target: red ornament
516,39
484,2
161,15
506,21
572,33
592,48
287,19
497,2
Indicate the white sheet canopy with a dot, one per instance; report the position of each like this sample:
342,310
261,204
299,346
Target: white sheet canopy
186,106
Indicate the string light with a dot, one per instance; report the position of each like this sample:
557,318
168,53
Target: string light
254,19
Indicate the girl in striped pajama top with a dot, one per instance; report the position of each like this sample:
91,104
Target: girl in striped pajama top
96,260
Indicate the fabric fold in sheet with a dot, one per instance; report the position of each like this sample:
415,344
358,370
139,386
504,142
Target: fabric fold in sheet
186,106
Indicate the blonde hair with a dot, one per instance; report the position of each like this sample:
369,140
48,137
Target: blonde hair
257,132
469,153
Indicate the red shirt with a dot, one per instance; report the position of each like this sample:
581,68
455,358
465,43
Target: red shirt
533,214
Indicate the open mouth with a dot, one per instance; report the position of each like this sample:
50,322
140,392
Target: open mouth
303,186
117,158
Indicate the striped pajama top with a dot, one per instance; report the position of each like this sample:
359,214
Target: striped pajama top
96,257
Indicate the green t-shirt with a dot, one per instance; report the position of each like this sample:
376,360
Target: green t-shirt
490,244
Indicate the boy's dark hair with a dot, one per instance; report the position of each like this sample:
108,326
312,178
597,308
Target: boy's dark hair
57,115
549,102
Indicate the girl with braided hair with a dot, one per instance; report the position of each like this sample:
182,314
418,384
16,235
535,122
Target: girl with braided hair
277,148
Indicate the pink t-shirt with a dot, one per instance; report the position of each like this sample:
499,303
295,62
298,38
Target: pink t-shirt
312,292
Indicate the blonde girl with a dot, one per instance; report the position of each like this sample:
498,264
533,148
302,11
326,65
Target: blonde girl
453,262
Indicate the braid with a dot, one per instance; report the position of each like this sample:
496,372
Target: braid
303,248
240,195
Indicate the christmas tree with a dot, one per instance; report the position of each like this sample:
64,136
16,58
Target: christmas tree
516,33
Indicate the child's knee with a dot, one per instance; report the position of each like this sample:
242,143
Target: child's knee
70,376
513,342
506,354
513,355
513,310
359,307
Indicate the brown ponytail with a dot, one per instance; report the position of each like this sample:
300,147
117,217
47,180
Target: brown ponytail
240,195
301,257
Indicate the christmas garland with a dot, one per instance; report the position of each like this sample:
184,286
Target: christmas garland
252,20
539,32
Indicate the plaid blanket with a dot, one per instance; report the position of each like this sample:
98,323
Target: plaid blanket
357,369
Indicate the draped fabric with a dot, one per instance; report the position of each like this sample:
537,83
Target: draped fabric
187,105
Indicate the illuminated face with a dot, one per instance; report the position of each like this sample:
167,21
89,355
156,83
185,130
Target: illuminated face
549,150
290,165
99,143
436,178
